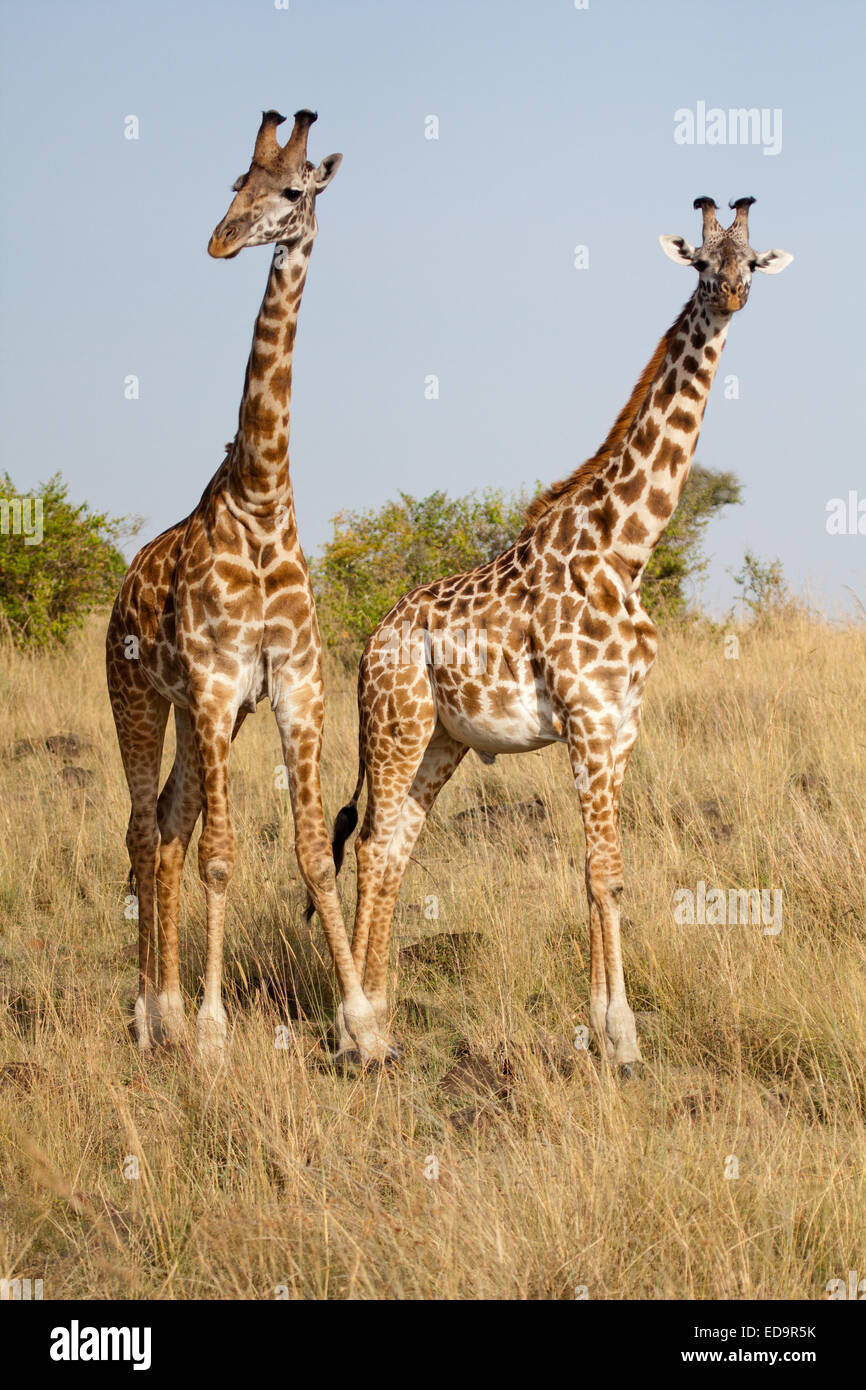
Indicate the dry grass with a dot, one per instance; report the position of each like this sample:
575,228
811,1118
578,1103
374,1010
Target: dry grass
283,1172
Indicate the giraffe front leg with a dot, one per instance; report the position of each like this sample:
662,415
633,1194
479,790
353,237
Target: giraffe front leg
610,1014
216,858
299,713
598,994
147,1023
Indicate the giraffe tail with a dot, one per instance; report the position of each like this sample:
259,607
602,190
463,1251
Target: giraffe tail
344,825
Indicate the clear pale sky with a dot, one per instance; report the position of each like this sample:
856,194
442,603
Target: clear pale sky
452,256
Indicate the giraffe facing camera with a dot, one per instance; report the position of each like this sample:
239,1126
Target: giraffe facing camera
217,613
568,645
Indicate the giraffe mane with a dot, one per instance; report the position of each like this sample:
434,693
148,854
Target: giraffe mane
620,428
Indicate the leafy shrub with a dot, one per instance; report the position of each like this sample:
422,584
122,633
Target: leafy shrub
672,578
377,555
764,591
58,561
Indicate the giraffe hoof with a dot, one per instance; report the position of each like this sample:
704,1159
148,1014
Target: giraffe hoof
383,1054
357,1059
349,1060
630,1071
211,1037
211,1054
146,1024
173,1019
390,1060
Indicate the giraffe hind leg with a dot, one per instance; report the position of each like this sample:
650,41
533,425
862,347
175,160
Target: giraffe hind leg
383,851
140,716
178,809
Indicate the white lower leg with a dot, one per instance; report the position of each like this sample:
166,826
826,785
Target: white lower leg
379,1004
211,1026
172,1013
621,1030
211,1021
363,1027
147,1021
598,1024
345,1041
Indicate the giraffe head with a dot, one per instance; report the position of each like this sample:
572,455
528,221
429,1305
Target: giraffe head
724,260
275,200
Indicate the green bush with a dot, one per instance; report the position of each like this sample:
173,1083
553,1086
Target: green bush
764,591
377,555
58,561
677,565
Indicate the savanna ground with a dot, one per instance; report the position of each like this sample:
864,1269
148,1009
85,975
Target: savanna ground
283,1176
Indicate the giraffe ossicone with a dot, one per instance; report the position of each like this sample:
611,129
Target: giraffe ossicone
569,645
219,611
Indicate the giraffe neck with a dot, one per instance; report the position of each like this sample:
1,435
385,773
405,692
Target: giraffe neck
258,477
648,470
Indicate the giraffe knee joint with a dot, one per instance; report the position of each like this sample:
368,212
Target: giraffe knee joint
142,839
215,873
318,871
603,885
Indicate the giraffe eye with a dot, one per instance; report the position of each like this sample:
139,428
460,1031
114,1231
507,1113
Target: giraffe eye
293,194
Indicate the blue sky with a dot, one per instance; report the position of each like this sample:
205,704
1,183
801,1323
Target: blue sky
452,257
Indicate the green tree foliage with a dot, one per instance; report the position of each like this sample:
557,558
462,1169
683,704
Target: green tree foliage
678,564
375,556
764,591
69,564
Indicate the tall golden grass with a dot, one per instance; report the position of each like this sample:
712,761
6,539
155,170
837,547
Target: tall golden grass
284,1177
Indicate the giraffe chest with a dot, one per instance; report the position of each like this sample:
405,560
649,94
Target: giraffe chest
240,626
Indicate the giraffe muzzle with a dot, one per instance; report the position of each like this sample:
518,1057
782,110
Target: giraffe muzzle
223,245
732,298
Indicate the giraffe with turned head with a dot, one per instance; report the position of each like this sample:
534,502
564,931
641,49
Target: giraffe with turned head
220,612
567,644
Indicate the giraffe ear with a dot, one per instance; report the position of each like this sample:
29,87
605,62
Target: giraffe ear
326,170
773,262
678,249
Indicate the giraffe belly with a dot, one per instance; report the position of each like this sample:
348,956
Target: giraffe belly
516,719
